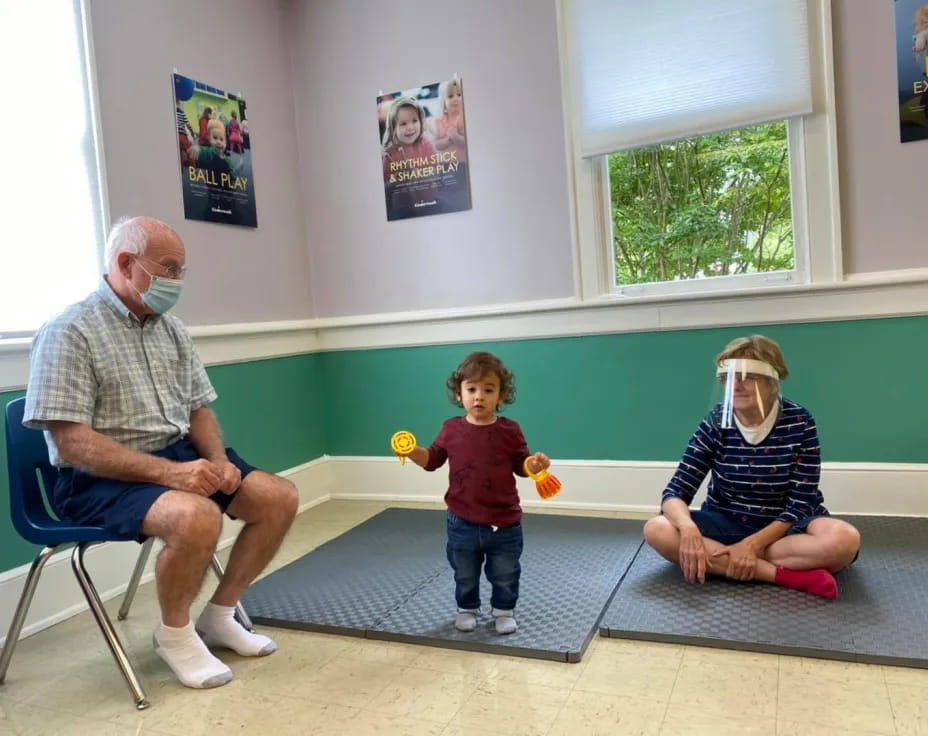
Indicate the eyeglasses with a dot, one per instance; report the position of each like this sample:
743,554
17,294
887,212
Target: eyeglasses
172,272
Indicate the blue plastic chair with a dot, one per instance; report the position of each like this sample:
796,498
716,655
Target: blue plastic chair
26,454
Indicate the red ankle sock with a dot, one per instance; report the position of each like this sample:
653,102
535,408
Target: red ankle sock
817,582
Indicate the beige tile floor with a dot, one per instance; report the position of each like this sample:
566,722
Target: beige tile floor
63,681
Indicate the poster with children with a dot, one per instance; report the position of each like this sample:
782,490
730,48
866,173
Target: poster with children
215,153
912,68
423,148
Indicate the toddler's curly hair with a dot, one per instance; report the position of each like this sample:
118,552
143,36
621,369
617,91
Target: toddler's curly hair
475,366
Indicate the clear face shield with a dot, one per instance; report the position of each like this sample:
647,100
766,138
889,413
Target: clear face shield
747,387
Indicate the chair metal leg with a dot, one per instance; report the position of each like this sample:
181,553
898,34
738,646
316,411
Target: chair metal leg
144,552
240,614
22,608
106,626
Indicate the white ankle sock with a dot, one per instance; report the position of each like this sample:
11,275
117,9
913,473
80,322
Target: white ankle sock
188,657
218,627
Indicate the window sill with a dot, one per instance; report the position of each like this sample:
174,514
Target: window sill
861,281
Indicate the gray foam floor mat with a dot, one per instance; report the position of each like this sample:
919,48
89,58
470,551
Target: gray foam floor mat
388,578
879,617
347,584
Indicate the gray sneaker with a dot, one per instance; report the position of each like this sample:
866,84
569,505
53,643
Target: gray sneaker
505,622
466,621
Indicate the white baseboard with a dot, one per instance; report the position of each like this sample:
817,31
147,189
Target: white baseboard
58,595
890,489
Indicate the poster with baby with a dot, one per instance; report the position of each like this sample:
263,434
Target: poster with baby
214,143
912,68
423,150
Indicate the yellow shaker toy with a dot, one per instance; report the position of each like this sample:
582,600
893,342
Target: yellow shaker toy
403,443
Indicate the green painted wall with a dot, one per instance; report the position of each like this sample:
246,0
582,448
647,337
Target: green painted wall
639,396
270,412
634,396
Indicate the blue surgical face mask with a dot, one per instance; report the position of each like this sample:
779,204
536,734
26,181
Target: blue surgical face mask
162,293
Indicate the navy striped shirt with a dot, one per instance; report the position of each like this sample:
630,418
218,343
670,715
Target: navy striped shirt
774,480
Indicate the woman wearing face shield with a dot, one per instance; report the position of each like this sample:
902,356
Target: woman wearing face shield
763,518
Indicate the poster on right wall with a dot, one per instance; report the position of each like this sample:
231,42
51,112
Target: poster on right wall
423,150
912,68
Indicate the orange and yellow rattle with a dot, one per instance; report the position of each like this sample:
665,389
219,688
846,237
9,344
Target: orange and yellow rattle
546,484
403,443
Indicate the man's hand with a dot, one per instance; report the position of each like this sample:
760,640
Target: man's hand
742,560
199,476
692,554
231,476
207,439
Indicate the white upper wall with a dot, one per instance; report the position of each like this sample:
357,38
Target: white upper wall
514,244
236,274
310,70
882,180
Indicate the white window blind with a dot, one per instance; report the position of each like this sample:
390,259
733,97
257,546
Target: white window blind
50,188
648,71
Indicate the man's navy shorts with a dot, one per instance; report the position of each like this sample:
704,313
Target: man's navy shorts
120,506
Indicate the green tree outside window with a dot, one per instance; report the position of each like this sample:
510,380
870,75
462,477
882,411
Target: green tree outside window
714,205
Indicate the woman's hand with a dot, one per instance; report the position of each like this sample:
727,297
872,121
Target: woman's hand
692,554
742,560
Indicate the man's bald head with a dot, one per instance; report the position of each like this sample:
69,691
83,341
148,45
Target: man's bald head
136,234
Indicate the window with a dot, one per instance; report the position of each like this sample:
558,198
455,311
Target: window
696,164
712,206
51,193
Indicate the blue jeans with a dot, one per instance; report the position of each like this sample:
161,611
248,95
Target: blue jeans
469,545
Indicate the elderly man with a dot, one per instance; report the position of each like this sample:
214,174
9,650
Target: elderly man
120,391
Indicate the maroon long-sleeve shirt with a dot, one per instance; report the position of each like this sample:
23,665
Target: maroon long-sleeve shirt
483,459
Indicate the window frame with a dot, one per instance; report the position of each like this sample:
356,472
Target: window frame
814,193
96,128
